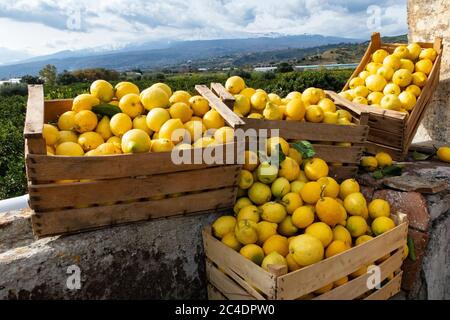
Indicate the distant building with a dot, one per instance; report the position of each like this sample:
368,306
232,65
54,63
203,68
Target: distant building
264,69
202,69
133,75
13,80
326,66
226,69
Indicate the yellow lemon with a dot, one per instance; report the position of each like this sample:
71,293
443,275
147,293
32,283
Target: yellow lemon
295,109
321,231
346,95
259,193
379,208
273,142
419,79
407,64
356,225
241,203
335,247
154,98
328,211
130,104
156,117
248,92
104,128
90,140
315,169
369,163
287,228
363,91
374,82
172,130
116,141
50,150
302,176
364,74
379,55
291,263
273,212
424,65
84,101
276,243
340,281
161,145
392,61
273,258
250,212
120,123
253,252
223,225
274,98
65,136
289,169
164,87
231,241
294,154
135,141
140,122
362,239
306,250
180,96
327,105
213,120
384,159
272,112
443,154
66,121
108,148
241,104
414,51
251,161
69,149
265,230
259,100
311,192
224,135
123,88
402,52
291,202
102,90
386,72
280,187
330,187
382,224
342,234
312,96
360,100
415,90
355,203
199,105
405,251
402,77
85,120
356,82
246,231
303,216
235,84
314,114
180,110
372,67
347,187
50,134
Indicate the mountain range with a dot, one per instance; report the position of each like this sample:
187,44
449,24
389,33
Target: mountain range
165,54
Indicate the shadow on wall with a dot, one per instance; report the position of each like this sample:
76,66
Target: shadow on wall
434,125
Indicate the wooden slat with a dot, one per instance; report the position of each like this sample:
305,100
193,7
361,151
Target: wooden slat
358,286
35,145
219,90
394,140
34,119
342,172
114,166
76,220
311,278
224,256
395,153
51,196
310,131
55,108
213,293
331,153
388,290
225,285
230,117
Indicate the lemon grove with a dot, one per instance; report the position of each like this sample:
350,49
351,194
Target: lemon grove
393,81
312,105
296,215
123,119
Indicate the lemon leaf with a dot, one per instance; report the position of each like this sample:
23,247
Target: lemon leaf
106,109
305,148
391,171
421,156
378,174
411,249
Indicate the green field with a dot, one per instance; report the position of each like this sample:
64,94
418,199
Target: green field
13,107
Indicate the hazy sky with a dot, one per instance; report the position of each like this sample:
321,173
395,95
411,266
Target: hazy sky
36,27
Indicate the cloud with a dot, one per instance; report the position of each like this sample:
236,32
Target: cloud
68,24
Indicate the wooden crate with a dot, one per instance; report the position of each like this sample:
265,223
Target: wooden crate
392,131
319,134
116,188
232,276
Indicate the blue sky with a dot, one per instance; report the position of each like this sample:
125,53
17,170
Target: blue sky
37,27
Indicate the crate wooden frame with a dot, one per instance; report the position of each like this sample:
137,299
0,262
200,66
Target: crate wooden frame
317,133
392,131
231,276
118,187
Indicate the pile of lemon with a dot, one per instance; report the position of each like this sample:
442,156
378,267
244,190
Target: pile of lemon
380,160
393,81
312,105
296,215
146,122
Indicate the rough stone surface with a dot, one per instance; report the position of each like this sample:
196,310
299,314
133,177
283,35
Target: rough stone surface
158,259
426,22
411,203
411,269
15,229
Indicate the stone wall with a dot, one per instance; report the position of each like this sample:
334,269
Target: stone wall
158,259
428,20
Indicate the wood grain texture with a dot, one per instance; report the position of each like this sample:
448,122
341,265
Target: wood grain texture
219,90
388,290
76,220
34,118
